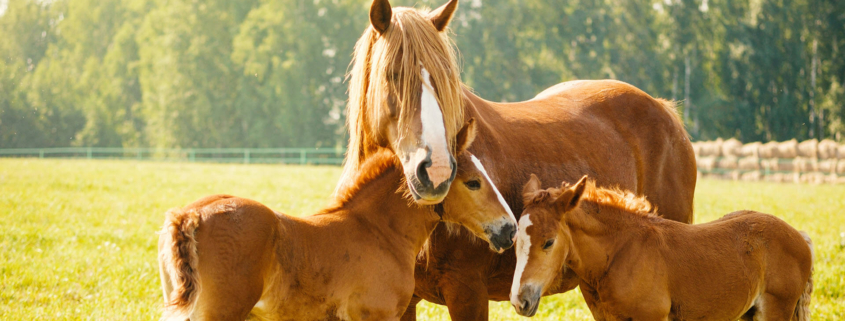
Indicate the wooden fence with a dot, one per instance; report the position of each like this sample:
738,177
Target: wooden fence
809,161
330,156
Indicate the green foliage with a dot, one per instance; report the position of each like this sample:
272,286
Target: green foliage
269,73
79,237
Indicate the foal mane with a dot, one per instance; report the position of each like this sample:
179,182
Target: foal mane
375,166
410,40
614,197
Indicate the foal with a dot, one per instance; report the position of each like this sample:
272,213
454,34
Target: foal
224,258
633,264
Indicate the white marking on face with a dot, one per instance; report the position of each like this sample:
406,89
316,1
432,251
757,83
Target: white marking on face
434,133
523,247
489,181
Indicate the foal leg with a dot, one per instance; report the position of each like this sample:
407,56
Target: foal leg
411,312
466,300
772,308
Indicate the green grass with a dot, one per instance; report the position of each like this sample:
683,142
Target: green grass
77,237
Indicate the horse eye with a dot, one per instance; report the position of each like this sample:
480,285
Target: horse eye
473,184
548,244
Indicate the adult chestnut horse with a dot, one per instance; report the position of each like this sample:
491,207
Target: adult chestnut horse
405,94
224,257
633,265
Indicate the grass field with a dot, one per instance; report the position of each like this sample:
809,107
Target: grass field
77,237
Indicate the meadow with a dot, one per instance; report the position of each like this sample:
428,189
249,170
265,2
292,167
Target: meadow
78,237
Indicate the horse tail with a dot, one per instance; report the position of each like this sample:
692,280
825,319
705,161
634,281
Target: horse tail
178,259
802,310
671,107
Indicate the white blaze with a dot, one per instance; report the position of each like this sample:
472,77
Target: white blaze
523,246
498,195
434,133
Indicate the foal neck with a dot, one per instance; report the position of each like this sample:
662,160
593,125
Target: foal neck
379,204
597,234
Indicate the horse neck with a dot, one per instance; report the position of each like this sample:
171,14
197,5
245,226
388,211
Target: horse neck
377,206
596,236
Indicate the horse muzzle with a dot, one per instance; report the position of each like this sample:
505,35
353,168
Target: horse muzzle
501,235
421,186
527,301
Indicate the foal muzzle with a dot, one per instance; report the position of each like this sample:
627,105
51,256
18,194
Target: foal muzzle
527,301
501,235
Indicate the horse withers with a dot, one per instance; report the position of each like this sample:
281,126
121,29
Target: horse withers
224,257
635,265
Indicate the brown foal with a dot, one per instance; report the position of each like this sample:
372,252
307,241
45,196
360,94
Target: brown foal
633,264
225,258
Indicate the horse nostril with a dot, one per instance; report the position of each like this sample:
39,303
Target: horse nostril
422,173
513,235
524,305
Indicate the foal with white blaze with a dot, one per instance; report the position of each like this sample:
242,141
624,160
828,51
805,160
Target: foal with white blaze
633,264
225,258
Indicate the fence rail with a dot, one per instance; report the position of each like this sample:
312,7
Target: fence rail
322,156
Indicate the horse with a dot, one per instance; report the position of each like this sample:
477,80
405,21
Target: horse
405,95
225,258
635,265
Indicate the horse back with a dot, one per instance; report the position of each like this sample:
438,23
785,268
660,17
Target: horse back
607,129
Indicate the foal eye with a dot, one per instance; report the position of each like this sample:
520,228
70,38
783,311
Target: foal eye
473,184
548,244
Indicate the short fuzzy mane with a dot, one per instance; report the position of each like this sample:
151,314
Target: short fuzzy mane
374,167
410,40
618,198
611,197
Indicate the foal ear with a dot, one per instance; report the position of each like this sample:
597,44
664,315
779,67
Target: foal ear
466,136
572,196
440,17
531,187
380,14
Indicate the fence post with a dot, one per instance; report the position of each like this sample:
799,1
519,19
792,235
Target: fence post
302,156
246,156
40,153
191,155
89,152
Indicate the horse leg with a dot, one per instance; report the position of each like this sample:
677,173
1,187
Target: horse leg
466,300
772,308
411,312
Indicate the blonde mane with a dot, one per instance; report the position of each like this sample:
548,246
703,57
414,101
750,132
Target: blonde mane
411,40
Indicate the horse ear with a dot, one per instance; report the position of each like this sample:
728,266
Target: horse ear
572,196
440,17
466,135
380,14
531,187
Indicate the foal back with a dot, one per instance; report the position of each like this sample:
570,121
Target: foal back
744,263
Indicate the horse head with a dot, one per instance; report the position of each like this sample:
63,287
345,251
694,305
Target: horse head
406,95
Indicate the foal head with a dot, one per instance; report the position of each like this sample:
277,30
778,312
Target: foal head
405,94
544,239
474,202
542,242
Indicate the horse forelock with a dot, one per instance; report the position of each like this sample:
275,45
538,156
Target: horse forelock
410,44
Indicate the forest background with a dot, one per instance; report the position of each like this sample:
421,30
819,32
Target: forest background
270,73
